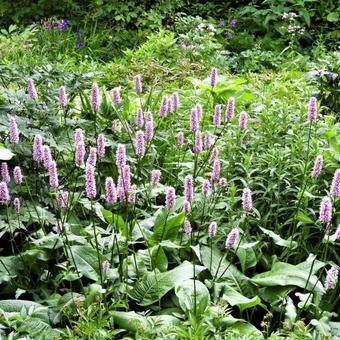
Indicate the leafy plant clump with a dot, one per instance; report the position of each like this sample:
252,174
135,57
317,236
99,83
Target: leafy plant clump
193,212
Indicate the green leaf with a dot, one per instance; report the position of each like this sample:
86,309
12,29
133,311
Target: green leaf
284,274
290,313
155,285
185,291
246,256
234,298
333,17
34,309
166,228
278,240
232,275
302,217
86,261
161,262
5,154
132,322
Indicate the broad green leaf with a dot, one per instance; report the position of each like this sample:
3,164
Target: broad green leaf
155,285
278,239
302,217
185,291
272,294
161,262
5,154
35,309
166,227
231,275
284,274
10,266
132,322
234,298
247,257
333,17
86,261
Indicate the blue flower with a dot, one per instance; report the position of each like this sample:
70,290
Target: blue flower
233,23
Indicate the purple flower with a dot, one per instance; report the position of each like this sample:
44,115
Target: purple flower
120,157
189,188
126,178
78,136
62,96
63,24
139,118
32,92
205,187
175,101
186,207
335,187
91,191
198,142
37,149
132,196
228,35
182,45
5,173
149,116
217,115
214,155
92,158
110,190
194,121
247,203
243,120
312,109
180,139
80,45
116,95
223,182
4,194
138,84
163,110
101,145
155,176
80,153
13,130
199,111
17,205
120,189
149,131
232,238
47,157
317,166
222,23
139,144
105,266
53,175
233,23
170,198
230,109
212,230
62,199
215,175
213,77
337,233
17,175
78,33
208,141
331,278
95,98
325,213
187,227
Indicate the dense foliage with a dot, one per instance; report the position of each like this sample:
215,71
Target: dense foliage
185,189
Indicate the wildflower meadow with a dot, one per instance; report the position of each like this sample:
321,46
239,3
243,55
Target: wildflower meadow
166,195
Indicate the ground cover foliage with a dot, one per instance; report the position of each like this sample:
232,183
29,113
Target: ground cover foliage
185,189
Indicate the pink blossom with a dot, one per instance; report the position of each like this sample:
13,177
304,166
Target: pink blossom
247,203
100,145
13,130
189,188
5,173
212,230
325,213
232,238
312,109
91,191
110,189
53,175
170,198
17,175
317,166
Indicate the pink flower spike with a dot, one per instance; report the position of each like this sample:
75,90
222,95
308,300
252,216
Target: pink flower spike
62,199
213,77
247,203
5,173
95,98
243,120
186,207
230,109
13,131
120,156
189,188
47,157
325,213
335,187
105,266
92,158
32,92
155,176
163,110
138,84
53,175
149,131
215,175
212,230
217,115
187,227
232,238
175,101
80,153
91,191
317,166
17,205
198,142
110,189
312,109
194,121
37,149
100,145
116,95
180,139
139,144
170,198
205,187
17,175
62,96
139,118
4,193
